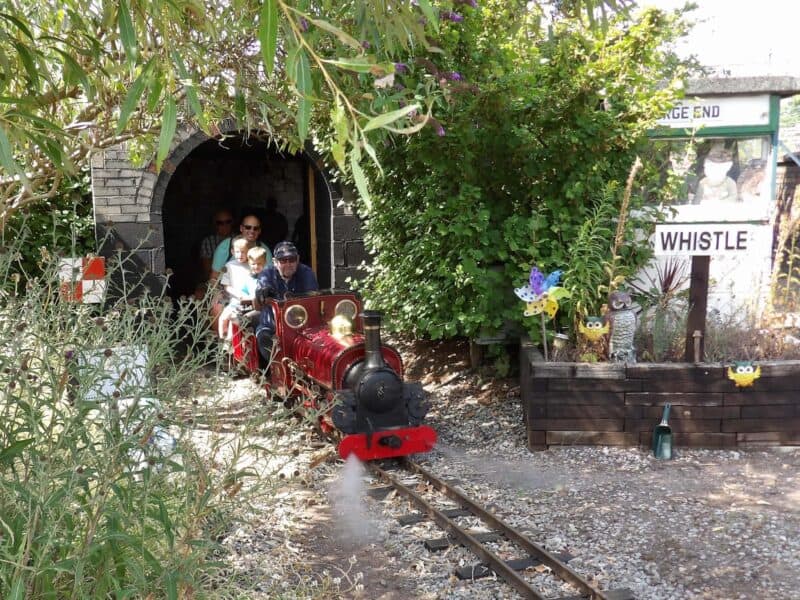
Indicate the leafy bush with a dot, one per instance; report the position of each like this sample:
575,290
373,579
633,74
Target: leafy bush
786,275
103,492
536,132
64,225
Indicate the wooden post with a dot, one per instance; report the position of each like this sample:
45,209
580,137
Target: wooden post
475,355
697,338
698,302
312,218
544,336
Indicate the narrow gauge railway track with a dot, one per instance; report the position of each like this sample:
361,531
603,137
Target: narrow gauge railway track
532,553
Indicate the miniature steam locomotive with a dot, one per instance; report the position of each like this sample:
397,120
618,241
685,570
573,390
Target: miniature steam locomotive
328,351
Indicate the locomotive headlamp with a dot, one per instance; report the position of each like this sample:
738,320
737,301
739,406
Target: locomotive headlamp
346,308
295,316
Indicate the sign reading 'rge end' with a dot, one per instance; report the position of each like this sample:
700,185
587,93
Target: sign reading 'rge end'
707,239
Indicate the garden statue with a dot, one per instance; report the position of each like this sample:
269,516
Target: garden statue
593,338
621,316
593,329
717,185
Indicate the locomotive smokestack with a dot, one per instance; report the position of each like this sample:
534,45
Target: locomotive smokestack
373,358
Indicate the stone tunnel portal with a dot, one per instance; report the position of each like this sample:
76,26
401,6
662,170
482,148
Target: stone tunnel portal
241,174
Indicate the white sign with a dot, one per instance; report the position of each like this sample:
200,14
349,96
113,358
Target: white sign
728,111
709,239
120,369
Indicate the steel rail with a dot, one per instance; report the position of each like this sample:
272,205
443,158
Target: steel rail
535,550
496,563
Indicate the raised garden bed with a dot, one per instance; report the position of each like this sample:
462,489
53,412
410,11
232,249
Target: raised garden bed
618,404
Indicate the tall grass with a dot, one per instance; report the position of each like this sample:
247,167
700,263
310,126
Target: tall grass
103,492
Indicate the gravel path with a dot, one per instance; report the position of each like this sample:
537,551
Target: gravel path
710,524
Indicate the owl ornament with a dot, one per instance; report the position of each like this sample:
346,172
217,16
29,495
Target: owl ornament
743,373
621,317
594,329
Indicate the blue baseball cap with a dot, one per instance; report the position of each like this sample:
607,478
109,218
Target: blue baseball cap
284,250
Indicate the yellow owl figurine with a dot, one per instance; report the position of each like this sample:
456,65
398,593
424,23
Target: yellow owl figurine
594,329
745,373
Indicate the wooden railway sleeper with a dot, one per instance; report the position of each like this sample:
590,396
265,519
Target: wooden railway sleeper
535,550
496,563
555,562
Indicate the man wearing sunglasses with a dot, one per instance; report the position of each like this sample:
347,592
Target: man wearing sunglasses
250,228
286,274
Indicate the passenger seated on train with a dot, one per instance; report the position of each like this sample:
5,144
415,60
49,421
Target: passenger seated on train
223,227
285,275
250,229
257,259
238,284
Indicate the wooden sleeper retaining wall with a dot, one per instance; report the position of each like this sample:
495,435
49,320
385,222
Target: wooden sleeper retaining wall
619,404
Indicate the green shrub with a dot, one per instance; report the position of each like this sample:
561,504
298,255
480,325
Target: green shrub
103,491
538,136
63,224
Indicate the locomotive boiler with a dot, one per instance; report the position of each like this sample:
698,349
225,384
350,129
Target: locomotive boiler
328,351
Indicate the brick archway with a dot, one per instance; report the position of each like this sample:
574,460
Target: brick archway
129,209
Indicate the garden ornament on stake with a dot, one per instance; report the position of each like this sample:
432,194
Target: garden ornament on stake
541,296
745,374
621,316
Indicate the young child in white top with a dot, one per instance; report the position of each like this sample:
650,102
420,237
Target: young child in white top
239,285
257,259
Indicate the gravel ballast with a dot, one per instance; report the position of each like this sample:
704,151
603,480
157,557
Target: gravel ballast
709,524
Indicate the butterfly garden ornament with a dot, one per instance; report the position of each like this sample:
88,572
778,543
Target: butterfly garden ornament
542,293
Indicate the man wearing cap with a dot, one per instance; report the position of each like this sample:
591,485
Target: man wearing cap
285,274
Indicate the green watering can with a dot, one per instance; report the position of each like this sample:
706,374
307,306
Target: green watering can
662,436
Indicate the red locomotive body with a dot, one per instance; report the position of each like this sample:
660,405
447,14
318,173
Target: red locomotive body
329,352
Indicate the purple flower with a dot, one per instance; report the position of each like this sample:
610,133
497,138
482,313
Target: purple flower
399,87
437,127
69,354
365,45
303,24
449,15
400,67
455,76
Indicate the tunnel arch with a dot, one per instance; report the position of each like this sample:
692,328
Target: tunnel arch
135,207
